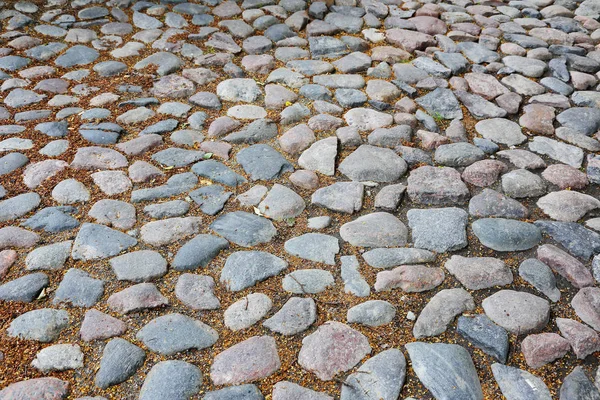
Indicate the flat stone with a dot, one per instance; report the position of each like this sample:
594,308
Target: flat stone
583,339
381,375
320,156
60,357
79,289
438,229
254,358
245,392
160,233
135,298
262,162
174,333
120,360
314,247
481,332
436,186
369,163
540,276
42,325
139,266
24,289
446,370
517,312
564,264
346,197
543,348
506,235
99,326
500,130
441,311
247,311
577,385
479,272
519,384
344,346
295,316
379,229
36,387
95,241
173,379
585,303
490,203
244,229
245,268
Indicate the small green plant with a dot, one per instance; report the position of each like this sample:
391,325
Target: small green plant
437,117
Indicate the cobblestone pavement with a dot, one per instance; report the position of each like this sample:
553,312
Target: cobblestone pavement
292,200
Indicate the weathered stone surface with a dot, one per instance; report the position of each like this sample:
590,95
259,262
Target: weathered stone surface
254,358
379,229
333,348
173,333
517,312
441,311
446,370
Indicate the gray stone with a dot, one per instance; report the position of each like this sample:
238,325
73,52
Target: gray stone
577,385
139,266
379,229
446,370
244,229
18,206
241,392
307,281
198,252
59,357
482,333
372,313
24,289
517,384
95,241
346,197
540,276
441,311
438,229
262,162
314,247
173,379
42,325
295,316
247,311
120,360
174,333
79,289
381,376
245,268
506,235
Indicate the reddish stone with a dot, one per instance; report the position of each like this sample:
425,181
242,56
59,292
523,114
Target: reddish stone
429,25
334,347
484,173
583,339
7,259
565,265
538,118
98,326
410,278
219,149
254,358
410,40
543,348
586,304
305,179
431,140
136,297
36,389
564,176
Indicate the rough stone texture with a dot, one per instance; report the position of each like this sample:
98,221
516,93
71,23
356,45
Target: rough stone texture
331,349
